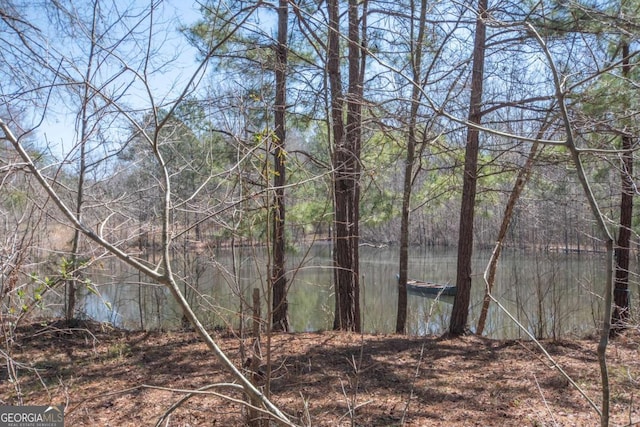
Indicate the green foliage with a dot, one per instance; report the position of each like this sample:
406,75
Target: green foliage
309,204
310,213
379,207
16,199
609,100
216,25
379,203
32,295
69,268
561,18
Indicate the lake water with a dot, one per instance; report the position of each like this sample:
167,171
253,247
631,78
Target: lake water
552,294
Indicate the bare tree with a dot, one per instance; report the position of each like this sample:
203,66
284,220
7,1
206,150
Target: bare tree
126,76
521,180
416,55
85,132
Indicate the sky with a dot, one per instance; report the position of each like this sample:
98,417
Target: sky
58,130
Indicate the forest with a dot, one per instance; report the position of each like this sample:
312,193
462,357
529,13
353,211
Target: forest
157,135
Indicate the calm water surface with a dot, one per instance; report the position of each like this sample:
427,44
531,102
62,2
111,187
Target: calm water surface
551,294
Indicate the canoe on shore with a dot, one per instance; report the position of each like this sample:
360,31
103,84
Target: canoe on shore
419,287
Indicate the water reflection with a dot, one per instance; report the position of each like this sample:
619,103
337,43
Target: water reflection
551,294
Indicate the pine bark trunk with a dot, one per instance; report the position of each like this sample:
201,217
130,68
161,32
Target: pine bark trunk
460,311
346,164
620,317
279,280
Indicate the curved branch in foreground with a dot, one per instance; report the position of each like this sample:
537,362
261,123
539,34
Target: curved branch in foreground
164,278
600,220
199,391
554,364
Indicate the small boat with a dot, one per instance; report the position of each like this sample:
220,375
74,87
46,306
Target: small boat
419,287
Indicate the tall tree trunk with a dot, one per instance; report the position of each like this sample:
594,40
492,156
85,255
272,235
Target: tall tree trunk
279,300
460,311
416,65
401,315
346,165
521,180
337,129
620,315
71,284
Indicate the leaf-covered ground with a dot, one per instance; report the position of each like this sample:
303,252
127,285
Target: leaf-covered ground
107,377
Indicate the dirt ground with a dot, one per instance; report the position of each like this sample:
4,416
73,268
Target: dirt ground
108,377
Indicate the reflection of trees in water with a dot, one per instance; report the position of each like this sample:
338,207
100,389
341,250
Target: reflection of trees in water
553,294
